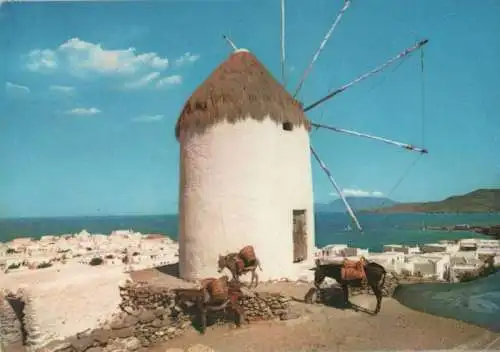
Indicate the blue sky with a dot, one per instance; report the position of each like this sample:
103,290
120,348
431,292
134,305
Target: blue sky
91,92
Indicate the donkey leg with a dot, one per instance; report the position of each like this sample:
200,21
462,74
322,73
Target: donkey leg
234,273
252,279
378,294
255,279
202,311
235,315
345,291
239,314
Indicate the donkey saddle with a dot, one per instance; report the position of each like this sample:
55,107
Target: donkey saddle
353,270
246,258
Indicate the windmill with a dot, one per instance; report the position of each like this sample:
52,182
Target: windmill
245,165
399,57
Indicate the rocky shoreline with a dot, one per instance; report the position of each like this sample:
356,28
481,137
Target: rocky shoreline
493,231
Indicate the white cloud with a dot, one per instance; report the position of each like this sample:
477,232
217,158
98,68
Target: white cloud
186,58
80,57
148,118
62,89
169,81
355,192
42,60
84,111
13,87
143,81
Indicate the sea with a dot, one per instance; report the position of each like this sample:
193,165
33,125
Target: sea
331,228
479,300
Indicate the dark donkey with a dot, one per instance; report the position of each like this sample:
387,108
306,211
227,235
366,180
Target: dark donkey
375,276
236,266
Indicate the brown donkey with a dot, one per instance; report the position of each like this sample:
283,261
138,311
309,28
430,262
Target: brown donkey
239,264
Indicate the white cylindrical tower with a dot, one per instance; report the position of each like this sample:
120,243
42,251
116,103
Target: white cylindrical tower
245,173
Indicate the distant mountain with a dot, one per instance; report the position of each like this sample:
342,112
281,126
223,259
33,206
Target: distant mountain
478,201
356,203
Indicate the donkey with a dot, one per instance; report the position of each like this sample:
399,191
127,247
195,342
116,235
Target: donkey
375,276
236,266
199,301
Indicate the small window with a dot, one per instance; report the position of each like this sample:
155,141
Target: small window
287,126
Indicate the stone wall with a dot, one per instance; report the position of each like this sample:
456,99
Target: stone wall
265,306
150,316
257,305
127,332
391,282
158,317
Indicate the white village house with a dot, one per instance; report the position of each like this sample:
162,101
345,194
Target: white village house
245,172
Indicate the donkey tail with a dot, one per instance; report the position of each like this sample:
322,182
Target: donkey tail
258,264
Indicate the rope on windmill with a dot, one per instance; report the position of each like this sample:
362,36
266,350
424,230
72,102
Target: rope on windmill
400,181
422,94
424,150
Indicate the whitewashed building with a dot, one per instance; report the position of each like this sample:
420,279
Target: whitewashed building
391,261
468,244
488,248
401,248
331,250
245,172
433,247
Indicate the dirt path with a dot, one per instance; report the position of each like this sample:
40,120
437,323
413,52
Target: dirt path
328,329
323,328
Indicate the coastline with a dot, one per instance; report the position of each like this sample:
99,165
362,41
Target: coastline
330,227
78,277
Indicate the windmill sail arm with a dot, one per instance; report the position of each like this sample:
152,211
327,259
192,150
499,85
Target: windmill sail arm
369,136
347,3
337,188
376,70
283,42
230,42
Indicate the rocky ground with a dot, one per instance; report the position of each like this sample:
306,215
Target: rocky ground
328,328
305,327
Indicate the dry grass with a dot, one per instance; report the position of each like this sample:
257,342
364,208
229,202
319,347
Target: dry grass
240,88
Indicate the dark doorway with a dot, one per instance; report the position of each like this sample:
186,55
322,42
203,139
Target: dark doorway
299,235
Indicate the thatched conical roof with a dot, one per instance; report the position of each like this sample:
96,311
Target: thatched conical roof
241,87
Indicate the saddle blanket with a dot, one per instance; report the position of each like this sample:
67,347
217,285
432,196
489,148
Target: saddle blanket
241,265
218,289
353,270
